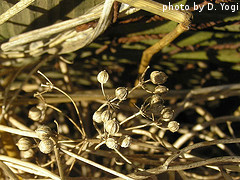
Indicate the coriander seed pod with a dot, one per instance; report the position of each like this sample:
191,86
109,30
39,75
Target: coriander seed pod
158,77
156,99
102,77
126,141
43,132
111,143
97,116
35,113
106,115
121,93
46,146
111,126
161,89
27,154
167,114
173,126
24,144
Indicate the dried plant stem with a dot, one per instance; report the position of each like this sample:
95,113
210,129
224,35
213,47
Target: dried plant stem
131,117
22,4
16,123
18,131
59,164
51,86
71,120
198,145
156,138
217,160
199,127
76,108
38,65
8,171
96,165
28,166
42,33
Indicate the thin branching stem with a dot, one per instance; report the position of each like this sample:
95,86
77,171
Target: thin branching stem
70,119
8,171
18,131
92,163
32,167
198,145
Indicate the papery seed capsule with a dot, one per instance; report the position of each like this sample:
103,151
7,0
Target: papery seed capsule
161,89
167,114
156,109
102,77
24,144
43,132
106,115
126,141
173,126
46,146
121,93
156,99
97,116
111,126
111,143
35,114
158,77
27,154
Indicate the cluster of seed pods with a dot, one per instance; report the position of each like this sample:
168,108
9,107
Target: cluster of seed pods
153,108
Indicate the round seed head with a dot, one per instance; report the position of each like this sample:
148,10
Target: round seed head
111,126
111,143
158,77
35,114
173,126
24,144
161,89
156,109
167,114
126,141
43,132
97,116
46,146
102,77
156,99
27,154
106,115
121,93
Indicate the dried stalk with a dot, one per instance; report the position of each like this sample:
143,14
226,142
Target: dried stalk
96,165
22,4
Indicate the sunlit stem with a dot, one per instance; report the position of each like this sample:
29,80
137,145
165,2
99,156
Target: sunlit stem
131,117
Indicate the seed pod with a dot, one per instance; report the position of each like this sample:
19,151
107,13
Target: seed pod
156,99
106,115
102,77
155,109
35,114
173,126
27,154
126,141
111,126
158,77
24,144
167,114
121,93
46,146
97,116
111,143
43,132
161,89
